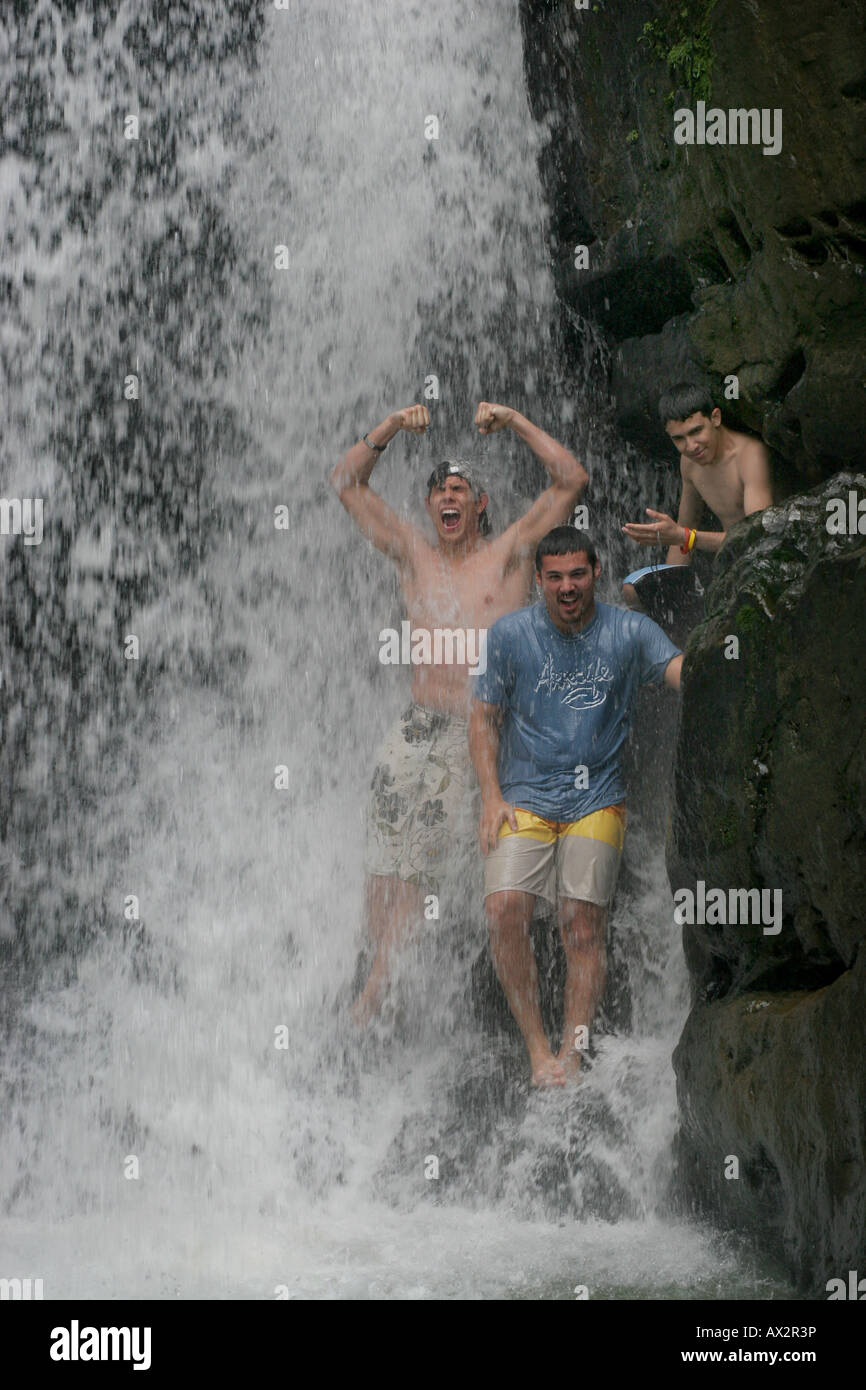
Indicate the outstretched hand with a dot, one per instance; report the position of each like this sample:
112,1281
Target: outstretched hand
414,419
662,530
490,418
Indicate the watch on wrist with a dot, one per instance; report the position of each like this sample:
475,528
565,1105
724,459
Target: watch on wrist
378,448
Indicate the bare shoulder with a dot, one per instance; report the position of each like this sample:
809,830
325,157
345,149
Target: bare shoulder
752,462
419,554
687,469
756,475
750,452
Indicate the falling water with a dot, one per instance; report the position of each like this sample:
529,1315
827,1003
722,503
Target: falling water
305,1168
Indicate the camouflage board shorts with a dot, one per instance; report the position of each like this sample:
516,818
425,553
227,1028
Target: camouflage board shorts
422,812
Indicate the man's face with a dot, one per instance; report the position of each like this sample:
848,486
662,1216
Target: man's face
455,509
568,588
698,436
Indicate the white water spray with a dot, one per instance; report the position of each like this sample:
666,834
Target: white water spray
304,1167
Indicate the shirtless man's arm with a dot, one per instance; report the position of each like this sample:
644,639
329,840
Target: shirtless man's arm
663,530
555,505
688,516
351,481
755,473
753,468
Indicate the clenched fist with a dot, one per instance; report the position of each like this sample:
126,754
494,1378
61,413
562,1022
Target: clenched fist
490,418
414,419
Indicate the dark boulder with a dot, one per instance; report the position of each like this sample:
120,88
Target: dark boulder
770,784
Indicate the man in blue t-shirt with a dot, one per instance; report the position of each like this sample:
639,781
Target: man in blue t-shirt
549,721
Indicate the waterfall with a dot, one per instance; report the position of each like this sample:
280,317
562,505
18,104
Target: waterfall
158,1138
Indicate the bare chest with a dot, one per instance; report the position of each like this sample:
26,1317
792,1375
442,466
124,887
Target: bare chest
721,487
472,593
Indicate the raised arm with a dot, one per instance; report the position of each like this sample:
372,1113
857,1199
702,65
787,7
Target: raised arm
351,482
568,477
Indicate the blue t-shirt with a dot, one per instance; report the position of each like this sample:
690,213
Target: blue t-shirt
567,703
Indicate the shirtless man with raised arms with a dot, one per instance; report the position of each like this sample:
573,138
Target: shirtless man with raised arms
728,471
421,795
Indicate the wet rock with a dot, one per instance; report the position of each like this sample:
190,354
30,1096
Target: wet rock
714,259
548,1155
771,793
771,759
776,1081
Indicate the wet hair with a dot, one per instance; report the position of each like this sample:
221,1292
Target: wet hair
683,400
564,540
460,468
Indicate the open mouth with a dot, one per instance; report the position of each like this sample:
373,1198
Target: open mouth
450,519
569,603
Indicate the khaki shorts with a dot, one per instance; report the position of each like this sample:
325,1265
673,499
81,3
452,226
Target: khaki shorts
422,812
558,859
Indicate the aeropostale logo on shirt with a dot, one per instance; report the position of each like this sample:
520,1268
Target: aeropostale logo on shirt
583,689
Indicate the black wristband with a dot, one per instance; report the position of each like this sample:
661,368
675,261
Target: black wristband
370,445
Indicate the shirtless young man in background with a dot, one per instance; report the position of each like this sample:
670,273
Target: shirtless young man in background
421,796
721,467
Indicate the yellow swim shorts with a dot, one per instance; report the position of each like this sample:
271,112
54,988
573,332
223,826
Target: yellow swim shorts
558,859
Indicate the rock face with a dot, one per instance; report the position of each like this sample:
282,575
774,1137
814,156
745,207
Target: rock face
771,794
714,260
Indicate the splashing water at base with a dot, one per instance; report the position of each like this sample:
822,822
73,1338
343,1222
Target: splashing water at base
161,1141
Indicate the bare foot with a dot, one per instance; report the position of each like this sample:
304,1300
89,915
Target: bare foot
547,1071
570,1062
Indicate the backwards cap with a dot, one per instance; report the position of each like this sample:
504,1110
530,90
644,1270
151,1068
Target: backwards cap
461,469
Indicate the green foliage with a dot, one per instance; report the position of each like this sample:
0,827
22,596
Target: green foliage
682,39
632,137
748,618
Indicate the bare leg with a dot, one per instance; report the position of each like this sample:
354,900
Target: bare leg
582,927
509,914
391,908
